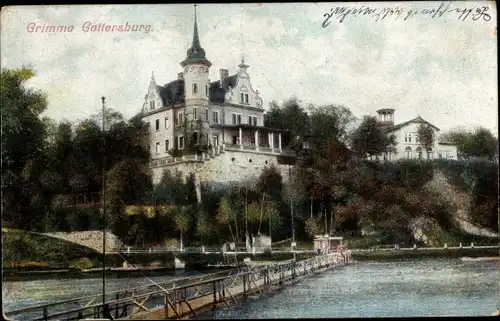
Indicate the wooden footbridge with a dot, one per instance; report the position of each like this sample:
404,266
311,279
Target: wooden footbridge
183,297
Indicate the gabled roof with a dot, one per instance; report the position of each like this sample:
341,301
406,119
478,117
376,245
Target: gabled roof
218,92
173,92
414,120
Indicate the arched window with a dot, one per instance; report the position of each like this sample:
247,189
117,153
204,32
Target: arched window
419,152
408,152
429,153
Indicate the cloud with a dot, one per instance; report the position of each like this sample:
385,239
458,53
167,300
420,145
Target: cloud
443,69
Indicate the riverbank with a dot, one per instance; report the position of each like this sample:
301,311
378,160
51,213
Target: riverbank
393,254
204,263
15,275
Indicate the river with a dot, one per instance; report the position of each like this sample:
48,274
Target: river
434,287
425,287
22,294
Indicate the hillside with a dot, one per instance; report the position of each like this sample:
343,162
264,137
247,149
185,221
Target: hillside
29,250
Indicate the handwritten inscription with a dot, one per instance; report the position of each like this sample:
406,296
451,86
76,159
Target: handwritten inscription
379,14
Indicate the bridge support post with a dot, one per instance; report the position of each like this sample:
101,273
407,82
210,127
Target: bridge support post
116,309
244,284
106,312
165,305
214,289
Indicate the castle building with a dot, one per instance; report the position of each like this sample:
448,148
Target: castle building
408,144
193,120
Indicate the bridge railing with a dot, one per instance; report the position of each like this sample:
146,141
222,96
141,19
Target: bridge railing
41,312
174,294
211,249
445,246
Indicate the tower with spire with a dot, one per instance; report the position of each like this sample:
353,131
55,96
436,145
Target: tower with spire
221,118
196,90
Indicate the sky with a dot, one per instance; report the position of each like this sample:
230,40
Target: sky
442,67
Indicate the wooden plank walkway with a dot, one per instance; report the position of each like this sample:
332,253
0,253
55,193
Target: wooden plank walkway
256,281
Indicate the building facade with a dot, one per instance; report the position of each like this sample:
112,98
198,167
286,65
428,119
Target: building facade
408,144
193,119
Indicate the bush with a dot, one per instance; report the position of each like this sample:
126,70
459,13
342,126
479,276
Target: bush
171,243
82,263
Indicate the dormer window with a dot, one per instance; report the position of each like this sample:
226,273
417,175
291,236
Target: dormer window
195,88
151,105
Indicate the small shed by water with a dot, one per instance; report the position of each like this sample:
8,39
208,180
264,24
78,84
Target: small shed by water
326,243
261,243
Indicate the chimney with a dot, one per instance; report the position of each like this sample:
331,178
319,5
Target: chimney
224,73
180,76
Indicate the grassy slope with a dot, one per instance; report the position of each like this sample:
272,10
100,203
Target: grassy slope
24,249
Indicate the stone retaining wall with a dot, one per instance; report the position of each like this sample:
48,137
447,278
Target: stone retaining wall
90,239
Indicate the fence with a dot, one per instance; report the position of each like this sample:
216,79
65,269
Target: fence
209,250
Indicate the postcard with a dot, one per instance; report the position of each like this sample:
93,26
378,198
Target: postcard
191,160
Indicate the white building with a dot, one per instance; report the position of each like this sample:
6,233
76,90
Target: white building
408,145
205,118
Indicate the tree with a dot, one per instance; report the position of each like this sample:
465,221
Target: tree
224,215
270,182
292,117
23,147
371,140
127,183
426,137
313,226
329,123
181,221
479,143
204,228
253,216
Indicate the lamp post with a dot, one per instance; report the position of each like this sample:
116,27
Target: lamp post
103,204
291,210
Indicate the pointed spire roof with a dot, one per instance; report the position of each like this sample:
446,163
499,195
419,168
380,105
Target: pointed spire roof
242,65
196,54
